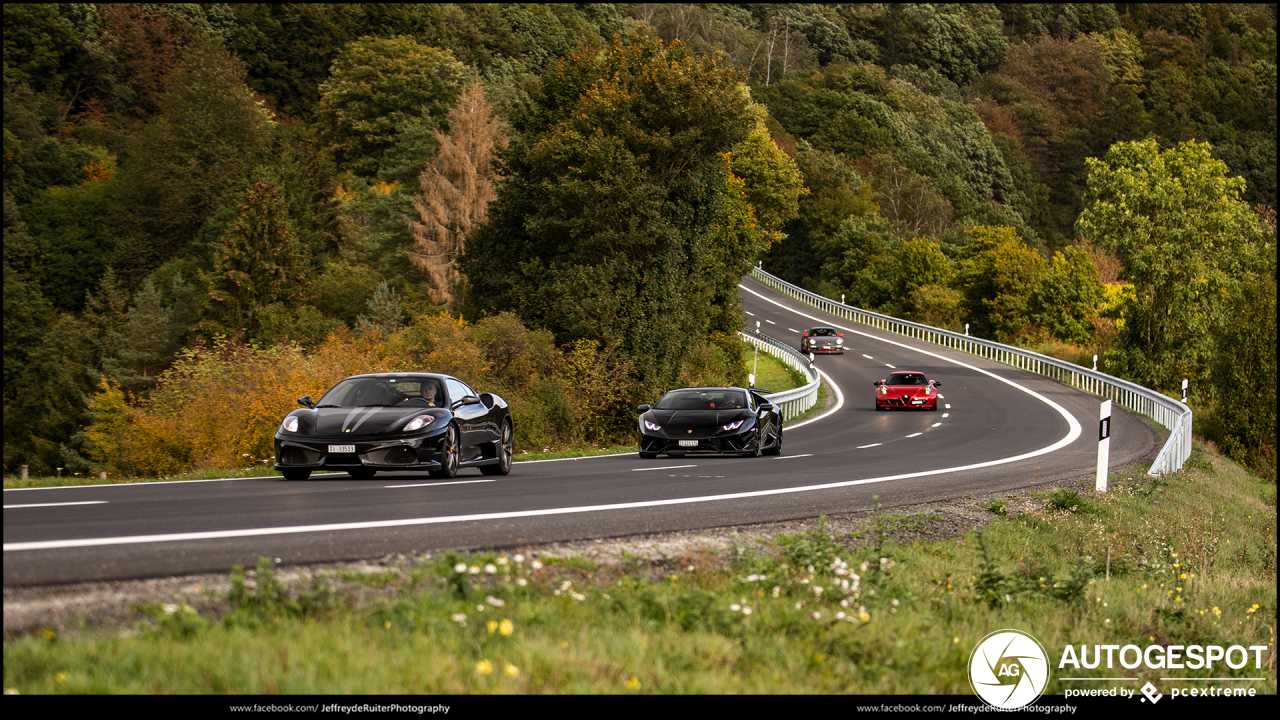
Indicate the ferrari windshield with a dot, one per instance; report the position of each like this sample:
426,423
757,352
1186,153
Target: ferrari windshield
908,379
385,391
702,400
823,332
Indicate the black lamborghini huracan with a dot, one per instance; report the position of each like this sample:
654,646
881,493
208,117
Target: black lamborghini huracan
397,421
715,420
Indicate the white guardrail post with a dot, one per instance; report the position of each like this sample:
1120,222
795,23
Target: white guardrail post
1165,410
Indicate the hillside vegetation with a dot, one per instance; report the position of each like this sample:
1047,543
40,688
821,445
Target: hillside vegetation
555,202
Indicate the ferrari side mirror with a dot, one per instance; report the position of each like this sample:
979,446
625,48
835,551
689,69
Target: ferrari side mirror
937,384
876,383
306,401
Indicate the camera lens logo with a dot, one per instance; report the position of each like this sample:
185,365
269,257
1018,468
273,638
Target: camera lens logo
1009,669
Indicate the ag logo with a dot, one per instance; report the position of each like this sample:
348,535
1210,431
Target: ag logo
1009,669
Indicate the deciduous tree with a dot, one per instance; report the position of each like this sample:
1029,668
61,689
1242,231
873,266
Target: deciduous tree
456,189
1184,238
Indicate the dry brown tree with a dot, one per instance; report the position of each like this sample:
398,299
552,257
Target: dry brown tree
455,192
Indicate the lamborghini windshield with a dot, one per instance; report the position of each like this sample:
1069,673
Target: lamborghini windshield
384,391
702,400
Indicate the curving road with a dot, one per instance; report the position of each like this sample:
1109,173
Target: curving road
1002,429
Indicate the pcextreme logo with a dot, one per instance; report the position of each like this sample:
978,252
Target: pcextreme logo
1009,669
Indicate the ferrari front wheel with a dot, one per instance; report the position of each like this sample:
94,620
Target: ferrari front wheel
448,455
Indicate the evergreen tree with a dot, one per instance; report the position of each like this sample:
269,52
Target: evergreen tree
257,262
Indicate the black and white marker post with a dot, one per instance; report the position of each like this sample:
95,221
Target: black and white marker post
1104,445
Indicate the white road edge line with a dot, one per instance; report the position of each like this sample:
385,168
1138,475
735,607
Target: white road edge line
665,467
915,434
437,484
788,457
35,505
863,447
1072,434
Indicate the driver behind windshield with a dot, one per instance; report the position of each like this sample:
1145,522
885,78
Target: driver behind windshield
429,392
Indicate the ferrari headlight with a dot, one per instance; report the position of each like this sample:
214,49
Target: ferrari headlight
884,390
418,423
290,423
928,391
839,341
734,425
651,426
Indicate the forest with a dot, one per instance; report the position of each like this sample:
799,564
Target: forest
213,209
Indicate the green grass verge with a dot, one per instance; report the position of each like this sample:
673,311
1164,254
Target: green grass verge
774,375
589,452
1192,561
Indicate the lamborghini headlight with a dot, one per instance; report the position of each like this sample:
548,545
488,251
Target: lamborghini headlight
651,426
734,425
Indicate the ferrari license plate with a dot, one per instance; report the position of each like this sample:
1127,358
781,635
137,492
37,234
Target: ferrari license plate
688,443
342,448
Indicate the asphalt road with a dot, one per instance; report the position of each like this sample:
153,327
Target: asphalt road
1002,429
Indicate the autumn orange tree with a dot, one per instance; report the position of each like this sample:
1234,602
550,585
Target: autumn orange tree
457,188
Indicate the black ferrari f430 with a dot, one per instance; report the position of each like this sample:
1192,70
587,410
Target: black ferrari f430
711,420
397,421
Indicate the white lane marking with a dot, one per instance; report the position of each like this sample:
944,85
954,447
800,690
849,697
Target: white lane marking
890,366
863,447
437,484
914,434
935,425
665,467
793,330
788,457
155,484
35,505
770,321
868,357
946,414
750,313
947,404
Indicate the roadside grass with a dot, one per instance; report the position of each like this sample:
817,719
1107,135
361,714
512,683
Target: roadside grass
1181,560
577,452
774,375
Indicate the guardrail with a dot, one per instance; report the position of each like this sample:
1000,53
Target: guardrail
795,401
1165,410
